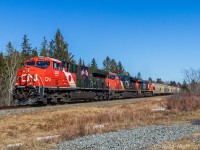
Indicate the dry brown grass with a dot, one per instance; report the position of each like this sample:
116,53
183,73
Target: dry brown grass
178,145
184,144
183,102
74,122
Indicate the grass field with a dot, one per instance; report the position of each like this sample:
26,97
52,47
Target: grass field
74,122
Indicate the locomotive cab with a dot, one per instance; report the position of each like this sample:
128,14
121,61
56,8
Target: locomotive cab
33,72
115,82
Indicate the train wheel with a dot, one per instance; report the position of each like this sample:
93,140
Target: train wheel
67,97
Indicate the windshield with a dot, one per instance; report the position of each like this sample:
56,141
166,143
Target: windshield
32,63
111,77
42,64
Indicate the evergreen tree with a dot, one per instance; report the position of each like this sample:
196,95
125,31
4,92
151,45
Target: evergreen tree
59,48
107,64
159,80
51,48
44,48
34,52
127,73
179,84
184,86
83,63
94,64
139,76
150,79
80,62
71,58
172,83
113,66
120,68
26,47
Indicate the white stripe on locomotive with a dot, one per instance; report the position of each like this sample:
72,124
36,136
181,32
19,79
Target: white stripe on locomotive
71,82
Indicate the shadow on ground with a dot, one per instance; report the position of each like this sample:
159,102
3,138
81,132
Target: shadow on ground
196,122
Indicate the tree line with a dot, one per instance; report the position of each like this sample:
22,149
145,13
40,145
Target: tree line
12,59
57,48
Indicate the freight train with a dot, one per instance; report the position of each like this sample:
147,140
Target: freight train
45,80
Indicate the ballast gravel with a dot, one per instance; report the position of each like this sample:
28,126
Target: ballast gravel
30,110
197,140
137,138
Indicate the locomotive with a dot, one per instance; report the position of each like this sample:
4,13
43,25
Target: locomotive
45,80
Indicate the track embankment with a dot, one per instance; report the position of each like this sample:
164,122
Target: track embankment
31,109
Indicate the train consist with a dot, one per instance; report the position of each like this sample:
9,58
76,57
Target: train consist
46,80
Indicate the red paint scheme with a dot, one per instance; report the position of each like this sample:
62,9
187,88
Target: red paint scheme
51,75
115,83
151,86
44,79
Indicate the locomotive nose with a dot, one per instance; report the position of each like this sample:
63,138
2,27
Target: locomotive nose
28,76
29,69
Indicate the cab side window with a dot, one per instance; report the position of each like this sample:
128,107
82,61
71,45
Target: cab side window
111,77
56,65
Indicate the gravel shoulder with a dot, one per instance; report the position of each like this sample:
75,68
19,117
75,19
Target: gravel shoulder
136,138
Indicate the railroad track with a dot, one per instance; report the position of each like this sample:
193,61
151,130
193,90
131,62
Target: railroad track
14,110
13,107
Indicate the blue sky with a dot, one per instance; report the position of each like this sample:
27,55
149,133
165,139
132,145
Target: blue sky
158,38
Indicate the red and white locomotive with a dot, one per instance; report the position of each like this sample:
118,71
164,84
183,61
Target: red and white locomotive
46,80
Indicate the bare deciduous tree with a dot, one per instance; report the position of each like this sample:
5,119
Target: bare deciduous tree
9,73
192,77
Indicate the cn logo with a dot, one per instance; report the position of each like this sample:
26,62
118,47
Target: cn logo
29,77
47,79
23,77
